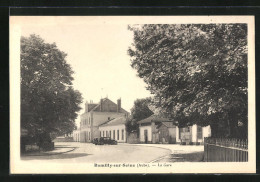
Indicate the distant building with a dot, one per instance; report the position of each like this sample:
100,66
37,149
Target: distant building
156,129
76,135
99,114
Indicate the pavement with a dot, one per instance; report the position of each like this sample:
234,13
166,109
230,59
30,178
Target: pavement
123,152
179,153
90,153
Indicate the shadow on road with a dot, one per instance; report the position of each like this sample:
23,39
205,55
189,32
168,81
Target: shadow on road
63,146
60,156
190,157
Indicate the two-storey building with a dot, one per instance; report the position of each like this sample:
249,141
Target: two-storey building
97,114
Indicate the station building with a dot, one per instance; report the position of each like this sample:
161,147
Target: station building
100,116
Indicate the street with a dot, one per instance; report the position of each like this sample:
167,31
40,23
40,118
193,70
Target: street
89,153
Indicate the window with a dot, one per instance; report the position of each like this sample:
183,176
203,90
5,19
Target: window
123,135
108,118
114,134
103,133
106,133
89,135
88,121
117,134
100,133
199,132
110,134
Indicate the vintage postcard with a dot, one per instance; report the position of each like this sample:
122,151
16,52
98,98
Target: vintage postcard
132,94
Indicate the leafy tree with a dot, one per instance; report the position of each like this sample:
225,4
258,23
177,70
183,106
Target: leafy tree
49,104
197,73
139,111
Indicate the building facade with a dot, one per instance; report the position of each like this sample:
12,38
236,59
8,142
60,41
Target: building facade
161,130
97,114
115,129
76,135
194,134
148,129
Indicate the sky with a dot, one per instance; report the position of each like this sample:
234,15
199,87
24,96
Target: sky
97,53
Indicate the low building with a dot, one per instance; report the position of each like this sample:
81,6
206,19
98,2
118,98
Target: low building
115,129
156,129
148,128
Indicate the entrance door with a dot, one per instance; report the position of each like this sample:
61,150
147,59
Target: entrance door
145,136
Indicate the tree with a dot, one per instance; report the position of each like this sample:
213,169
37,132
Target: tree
197,73
49,104
139,111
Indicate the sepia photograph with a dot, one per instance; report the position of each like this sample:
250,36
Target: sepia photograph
132,94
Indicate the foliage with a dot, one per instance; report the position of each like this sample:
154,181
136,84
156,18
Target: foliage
139,111
197,72
49,104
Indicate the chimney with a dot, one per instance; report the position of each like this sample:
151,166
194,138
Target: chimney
118,105
101,105
86,106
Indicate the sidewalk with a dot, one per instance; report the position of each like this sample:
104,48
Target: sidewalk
58,149
179,153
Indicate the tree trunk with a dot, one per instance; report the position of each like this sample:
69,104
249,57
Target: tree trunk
214,130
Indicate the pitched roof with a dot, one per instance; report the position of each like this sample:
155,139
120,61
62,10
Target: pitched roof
113,122
96,107
154,118
167,124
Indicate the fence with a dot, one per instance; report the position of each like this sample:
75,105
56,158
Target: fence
225,150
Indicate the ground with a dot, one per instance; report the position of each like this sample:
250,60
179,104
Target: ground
121,153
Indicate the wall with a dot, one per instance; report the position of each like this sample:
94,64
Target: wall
206,131
112,128
172,134
85,135
95,132
163,134
194,133
132,138
178,140
149,132
85,120
76,137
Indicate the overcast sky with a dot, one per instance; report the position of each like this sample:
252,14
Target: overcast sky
97,52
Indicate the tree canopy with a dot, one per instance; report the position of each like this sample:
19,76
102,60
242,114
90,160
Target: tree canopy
49,104
197,73
139,111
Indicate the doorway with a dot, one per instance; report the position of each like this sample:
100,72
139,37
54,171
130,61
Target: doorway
145,136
